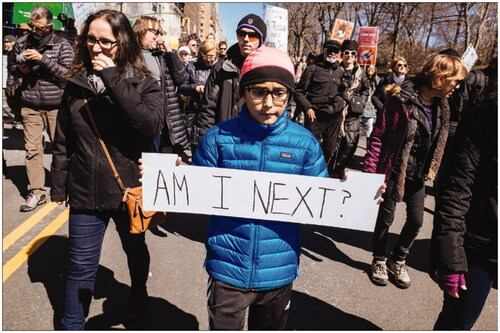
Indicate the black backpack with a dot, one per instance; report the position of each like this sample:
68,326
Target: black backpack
477,81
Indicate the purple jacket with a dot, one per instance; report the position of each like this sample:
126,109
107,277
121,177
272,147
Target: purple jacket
391,128
386,138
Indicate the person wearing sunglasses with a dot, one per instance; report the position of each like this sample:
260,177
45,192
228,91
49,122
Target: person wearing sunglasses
223,50
407,145
252,264
319,95
397,74
191,92
221,99
356,91
193,46
170,73
39,59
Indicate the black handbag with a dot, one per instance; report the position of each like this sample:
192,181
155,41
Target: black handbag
357,104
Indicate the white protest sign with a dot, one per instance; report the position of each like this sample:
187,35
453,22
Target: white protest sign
469,57
351,204
276,19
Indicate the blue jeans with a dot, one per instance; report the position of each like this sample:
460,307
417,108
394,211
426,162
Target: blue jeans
86,233
462,313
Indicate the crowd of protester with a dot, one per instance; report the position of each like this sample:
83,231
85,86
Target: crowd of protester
127,86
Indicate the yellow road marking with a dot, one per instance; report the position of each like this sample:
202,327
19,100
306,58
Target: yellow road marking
13,264
27,225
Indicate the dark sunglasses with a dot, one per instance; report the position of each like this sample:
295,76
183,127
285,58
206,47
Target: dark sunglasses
157,32
402,65
252,36
222,48
346,53
34,27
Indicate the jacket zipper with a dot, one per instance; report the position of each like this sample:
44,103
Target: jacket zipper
255,233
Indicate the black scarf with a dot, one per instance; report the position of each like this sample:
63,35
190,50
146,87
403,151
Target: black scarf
40,44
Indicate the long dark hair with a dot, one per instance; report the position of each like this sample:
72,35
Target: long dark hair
129,54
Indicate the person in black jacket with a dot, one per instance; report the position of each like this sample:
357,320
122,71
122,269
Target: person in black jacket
170,73
127,105
464,250
355,85
198,72
221,99
39,59
319,94
397,75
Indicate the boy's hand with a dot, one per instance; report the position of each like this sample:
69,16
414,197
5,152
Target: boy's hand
311,115
382,191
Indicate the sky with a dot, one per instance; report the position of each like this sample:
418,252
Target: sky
232,12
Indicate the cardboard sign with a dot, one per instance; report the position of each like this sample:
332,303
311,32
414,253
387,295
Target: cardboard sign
469,57
367,50
342,30
351,204
276,19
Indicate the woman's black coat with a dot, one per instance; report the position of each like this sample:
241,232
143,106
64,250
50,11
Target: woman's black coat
129,114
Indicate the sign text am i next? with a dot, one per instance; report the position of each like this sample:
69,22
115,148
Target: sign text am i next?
350,204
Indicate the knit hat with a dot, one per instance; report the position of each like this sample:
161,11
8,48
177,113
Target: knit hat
184,48
252,21
349,44
9,38
267,64
332,43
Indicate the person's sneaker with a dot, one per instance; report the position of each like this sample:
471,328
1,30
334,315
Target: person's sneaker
400,272
32,201
378,273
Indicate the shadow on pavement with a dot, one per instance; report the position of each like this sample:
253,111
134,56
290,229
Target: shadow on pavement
159,314
49,265
321,240
310,313
191,226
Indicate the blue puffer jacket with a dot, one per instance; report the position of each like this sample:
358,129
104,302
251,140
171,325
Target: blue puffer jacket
248,253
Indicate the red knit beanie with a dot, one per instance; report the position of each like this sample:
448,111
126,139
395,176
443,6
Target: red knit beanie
267,64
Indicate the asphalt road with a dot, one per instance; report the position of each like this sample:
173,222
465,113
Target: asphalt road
332,293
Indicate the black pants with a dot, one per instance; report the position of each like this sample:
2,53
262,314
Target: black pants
348,143
326,129
268,310
414,198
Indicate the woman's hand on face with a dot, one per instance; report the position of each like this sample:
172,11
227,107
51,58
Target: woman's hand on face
101,61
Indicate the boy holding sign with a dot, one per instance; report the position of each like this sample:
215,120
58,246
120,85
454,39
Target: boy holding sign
253,263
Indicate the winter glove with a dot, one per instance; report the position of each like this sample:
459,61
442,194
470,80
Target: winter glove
450,282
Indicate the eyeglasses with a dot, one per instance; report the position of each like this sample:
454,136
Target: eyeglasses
222,48
402,65
347,53
41,29
208,56
261,93
193,45
252,36
103,43
157,32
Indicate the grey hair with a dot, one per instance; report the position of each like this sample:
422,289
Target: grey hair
40,12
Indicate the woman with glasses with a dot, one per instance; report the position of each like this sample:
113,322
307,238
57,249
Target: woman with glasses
356,90
193,90
170,73
397,74
109,80
406,146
